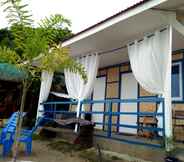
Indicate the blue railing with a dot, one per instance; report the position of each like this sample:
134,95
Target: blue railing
109,113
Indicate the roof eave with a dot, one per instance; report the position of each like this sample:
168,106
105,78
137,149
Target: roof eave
125,14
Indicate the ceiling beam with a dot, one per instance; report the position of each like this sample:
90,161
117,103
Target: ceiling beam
171,19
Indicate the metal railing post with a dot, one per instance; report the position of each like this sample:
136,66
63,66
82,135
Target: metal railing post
80,109
54,111
109,130
163,111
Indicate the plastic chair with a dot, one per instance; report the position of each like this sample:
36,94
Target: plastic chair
26,137
8,132
7,143
11,123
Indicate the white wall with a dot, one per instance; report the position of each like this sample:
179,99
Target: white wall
99,94
129,90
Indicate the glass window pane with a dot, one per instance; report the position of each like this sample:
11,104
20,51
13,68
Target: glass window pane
175,81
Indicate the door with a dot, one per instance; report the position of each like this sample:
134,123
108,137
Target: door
129,90
99,94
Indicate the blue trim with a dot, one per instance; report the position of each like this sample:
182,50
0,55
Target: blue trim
163,111
59,102
119,95
106,113
180,63
138,107
105,98
109,129
147,100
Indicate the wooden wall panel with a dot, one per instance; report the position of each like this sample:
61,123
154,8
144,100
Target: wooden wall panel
147,107
114,118
87,107
177,56
144,93
112,90
179,107
113,74
125,68
178,124
72,108
179,134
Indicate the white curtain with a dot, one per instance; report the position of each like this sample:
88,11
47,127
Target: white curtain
76,87
46,82
150,61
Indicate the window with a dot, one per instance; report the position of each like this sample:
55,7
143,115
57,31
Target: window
177,93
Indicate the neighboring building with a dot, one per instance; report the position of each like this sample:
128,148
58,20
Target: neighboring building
10,83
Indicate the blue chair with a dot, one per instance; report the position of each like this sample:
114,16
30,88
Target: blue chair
7,142
26,137
7,134
11,123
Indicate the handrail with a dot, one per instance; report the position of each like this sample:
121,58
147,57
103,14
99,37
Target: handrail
109,113
142,99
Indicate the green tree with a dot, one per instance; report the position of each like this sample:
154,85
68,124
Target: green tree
35,50
6,38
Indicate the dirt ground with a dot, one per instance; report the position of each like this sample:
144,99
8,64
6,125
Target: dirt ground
43,153
59,151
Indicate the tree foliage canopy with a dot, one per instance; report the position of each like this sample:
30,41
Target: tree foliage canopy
24,43
30,45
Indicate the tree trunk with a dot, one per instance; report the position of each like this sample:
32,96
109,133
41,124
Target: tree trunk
20,120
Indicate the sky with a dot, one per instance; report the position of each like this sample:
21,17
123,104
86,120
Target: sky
82,13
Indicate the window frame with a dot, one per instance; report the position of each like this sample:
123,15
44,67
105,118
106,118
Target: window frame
180,97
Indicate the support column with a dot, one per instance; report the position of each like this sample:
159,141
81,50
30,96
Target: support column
168,101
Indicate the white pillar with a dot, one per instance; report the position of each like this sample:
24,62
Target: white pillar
78,113
168,100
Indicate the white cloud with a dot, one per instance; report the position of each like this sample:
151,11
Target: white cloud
82,13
